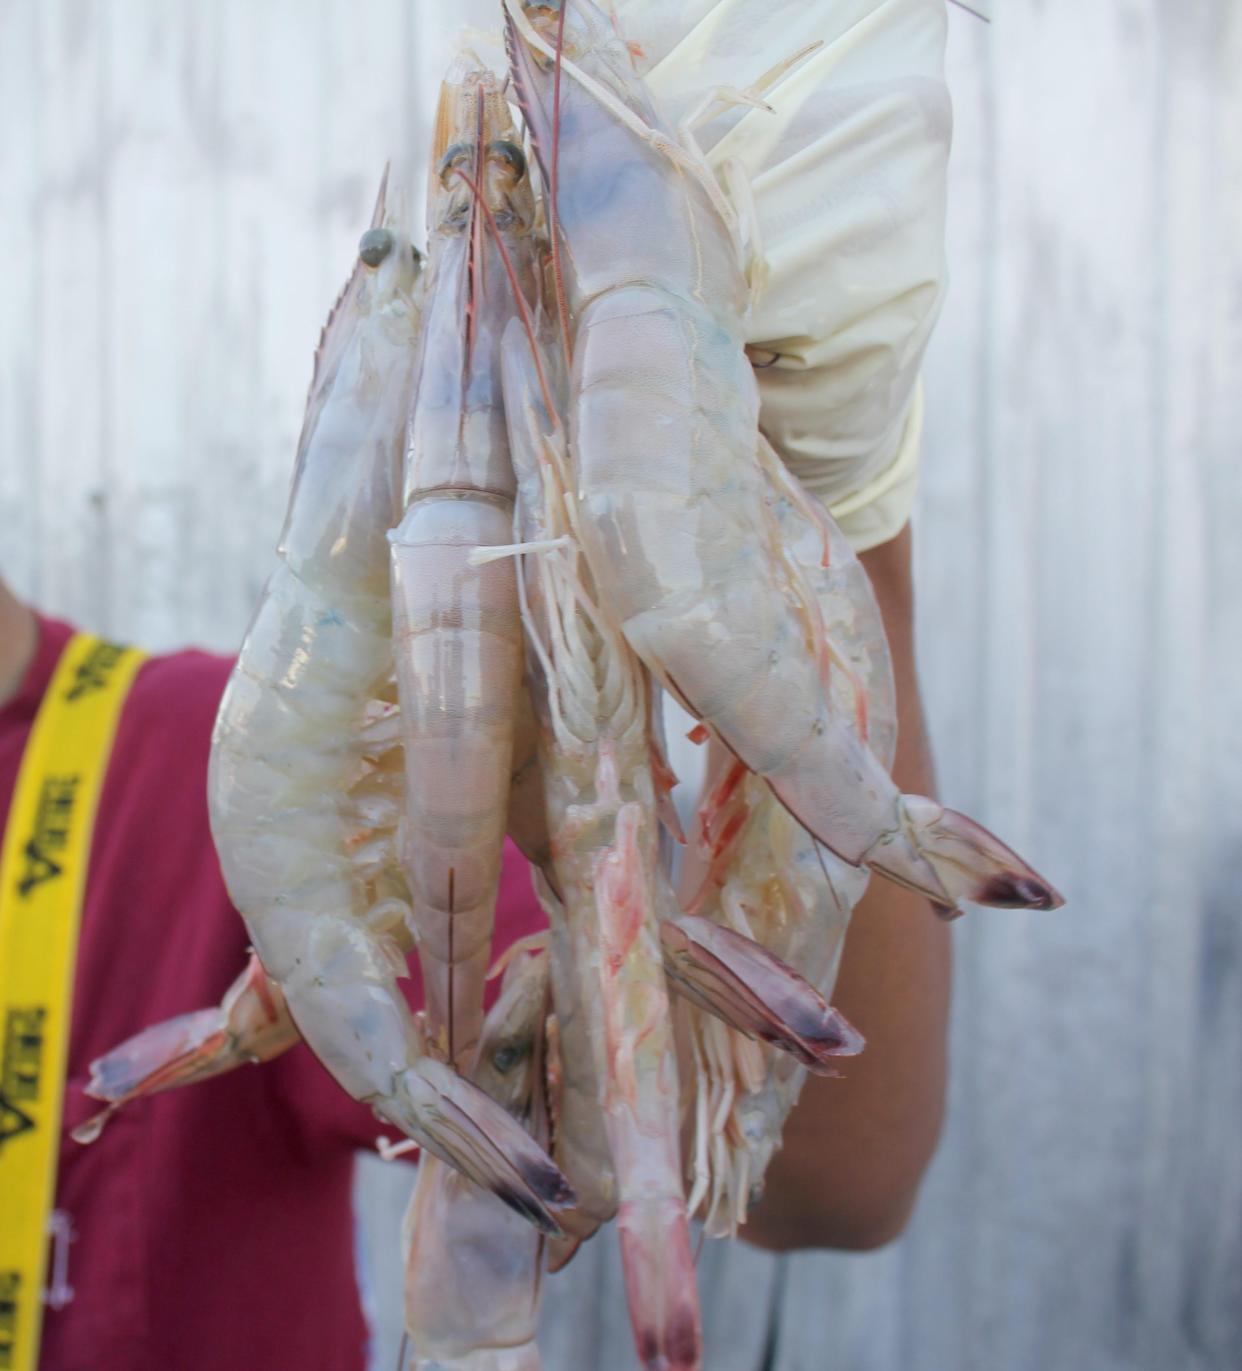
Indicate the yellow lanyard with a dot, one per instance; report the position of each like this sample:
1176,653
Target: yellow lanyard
47,845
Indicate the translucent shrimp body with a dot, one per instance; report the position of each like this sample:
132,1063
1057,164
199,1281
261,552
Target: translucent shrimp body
290,749
457,627
663,419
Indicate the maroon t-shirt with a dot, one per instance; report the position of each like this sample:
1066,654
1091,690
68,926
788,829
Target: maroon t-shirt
213,1224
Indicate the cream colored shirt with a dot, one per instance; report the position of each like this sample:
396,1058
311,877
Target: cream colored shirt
847,176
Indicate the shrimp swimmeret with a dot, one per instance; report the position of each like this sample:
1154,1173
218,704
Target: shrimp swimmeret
289,749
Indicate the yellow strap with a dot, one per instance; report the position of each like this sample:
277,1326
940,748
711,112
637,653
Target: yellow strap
47,845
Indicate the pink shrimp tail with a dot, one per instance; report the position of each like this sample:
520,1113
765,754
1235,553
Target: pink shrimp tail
660,1284
743,984
950,857
252,1024
455,1121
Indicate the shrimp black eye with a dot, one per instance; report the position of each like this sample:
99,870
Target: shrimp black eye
509,153
459,155
508,1055
374,245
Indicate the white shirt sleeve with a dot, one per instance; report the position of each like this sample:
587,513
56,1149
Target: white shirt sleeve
848,181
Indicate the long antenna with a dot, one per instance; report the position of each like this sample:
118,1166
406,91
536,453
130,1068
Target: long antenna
558,279
987,19
519,298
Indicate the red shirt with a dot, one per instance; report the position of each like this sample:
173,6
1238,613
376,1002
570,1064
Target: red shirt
213,1224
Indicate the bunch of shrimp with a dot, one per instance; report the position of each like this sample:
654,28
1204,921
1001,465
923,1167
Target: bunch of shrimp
531,490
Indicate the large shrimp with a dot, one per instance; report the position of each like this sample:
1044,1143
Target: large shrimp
752,868
663,413
472,1270
326,918
593,697
457,629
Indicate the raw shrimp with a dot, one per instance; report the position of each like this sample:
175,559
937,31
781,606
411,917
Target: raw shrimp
663,417
472,1271
457,630
752,868
592,696
289,748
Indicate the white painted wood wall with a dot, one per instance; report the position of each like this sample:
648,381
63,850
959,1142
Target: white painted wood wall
181,188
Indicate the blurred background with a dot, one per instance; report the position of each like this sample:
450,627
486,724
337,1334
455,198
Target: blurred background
181,192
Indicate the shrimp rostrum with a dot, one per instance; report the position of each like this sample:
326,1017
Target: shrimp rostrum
663,420
327,920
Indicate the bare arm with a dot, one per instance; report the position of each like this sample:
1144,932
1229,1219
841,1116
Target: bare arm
855,1149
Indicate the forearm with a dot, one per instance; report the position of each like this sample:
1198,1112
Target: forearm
855,1149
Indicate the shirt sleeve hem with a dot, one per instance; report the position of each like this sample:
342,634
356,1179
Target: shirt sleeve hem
881,509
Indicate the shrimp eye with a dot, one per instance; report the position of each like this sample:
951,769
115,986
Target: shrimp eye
505,1058
374,245
459,155
510,154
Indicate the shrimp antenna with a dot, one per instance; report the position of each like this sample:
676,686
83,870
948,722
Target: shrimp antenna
474,269
987,19
519,298
558,279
